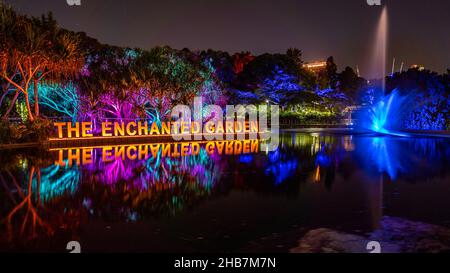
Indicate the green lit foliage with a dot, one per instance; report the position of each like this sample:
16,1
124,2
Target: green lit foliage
212,88
22,111
307,114
168,77
177,69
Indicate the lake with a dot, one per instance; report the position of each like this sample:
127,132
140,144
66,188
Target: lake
218,197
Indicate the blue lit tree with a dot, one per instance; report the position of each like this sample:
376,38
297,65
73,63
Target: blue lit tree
428,96
63,99
280,87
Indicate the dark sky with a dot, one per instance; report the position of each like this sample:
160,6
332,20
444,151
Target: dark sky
419,29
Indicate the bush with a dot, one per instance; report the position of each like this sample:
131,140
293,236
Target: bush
39,130
12,133
311,117
36,131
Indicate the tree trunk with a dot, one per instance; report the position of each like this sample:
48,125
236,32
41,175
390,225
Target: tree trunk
36,98
6,115
27,103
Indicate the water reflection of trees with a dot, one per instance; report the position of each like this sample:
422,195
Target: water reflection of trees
22,213
157,185
319,155
42,198
413,159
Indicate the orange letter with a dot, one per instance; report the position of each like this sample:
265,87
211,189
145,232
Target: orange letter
85,128
119,129
142,126
195,127
71,129
59,125
165,128
154,130
131,132
106,128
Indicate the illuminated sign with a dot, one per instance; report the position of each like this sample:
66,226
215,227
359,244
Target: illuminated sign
69,130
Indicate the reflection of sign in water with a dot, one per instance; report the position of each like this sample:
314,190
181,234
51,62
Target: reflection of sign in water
84,156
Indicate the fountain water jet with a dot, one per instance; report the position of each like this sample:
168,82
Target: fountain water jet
378,69
384,116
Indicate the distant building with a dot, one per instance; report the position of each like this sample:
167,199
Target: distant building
418,67
316,67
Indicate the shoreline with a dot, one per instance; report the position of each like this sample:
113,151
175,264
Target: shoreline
81,142
349,130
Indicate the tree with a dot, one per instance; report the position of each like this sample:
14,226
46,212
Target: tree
19,51
350,84
331,72
240,60
428,98
296,55
222,63
5,89
35,49
262,67
62,98
280,88
168,78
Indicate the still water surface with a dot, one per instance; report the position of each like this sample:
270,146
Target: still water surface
219,197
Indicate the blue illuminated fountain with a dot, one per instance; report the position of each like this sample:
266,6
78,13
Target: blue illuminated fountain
384,116
379,114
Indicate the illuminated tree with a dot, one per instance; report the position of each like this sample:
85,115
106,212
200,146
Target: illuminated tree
222,63
167,78
240,60
107,85
212,88
280,87
63,99
32,50
6,89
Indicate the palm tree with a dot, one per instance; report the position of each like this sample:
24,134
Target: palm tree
20,52
33,49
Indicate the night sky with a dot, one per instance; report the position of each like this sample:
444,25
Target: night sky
419,29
